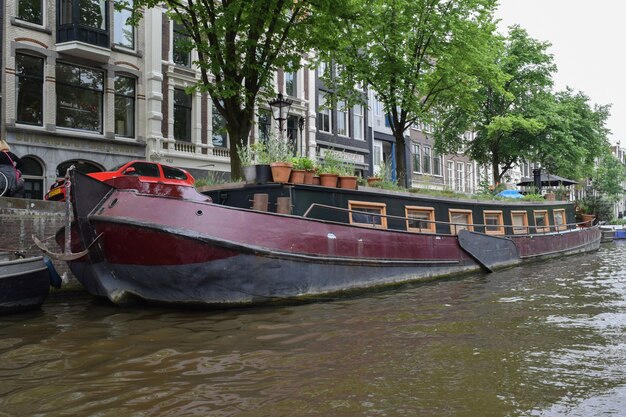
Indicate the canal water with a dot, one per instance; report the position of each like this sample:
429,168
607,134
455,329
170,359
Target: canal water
546,339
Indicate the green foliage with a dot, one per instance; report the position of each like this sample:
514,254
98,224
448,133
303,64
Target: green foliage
212,178
261,156
331,163
417,55
601,207
303,162
279,149
246,155
608,177
240,45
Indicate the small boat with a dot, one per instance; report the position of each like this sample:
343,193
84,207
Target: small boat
248,244
24,282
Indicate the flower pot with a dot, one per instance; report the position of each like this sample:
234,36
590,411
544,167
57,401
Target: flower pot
348,182
373,180
263,174
297,176
550,196
328,180
281,171
587,219
308,177
316,180
249,174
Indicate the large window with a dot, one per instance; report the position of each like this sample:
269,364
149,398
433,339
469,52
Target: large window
416,158
368,214
80,94
420,219
436,163
560,219
542,222
124,106
426,160
357,113
450,169
342,119
93,13
123,33
182,115
323,115
220,134
265,123
291,84
29,70
30,11
494,224
181,46
460,176
520,222
460,220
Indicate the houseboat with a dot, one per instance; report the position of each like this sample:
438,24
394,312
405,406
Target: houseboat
243,244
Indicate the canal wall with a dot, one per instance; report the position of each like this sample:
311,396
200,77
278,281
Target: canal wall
21,218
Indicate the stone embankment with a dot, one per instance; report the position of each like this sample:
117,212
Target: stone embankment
22,218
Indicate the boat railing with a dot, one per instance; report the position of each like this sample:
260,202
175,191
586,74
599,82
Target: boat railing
455,227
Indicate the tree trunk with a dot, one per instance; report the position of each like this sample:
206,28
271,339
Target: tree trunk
238,133
495,169
400,155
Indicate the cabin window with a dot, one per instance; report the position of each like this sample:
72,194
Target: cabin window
494,224
542,222
519,219
559,219
368,214
420,219
460,220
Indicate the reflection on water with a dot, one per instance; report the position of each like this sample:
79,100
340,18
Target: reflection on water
543,340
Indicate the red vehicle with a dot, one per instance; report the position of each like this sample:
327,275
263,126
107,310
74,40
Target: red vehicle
149,172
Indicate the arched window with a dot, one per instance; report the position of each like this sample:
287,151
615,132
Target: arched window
86,167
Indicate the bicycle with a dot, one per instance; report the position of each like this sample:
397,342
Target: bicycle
4,185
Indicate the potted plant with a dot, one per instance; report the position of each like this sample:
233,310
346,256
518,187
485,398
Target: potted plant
330,170
347,179
382,173
246,157
262,163
299,169
280,154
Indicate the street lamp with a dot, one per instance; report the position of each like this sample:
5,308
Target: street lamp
280,110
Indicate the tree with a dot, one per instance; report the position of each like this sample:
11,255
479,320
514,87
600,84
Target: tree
574,135
417,55
508,122
240,44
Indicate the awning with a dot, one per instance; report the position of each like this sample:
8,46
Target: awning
547,180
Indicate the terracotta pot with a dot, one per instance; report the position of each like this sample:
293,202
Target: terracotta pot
550,196
281,171
373,180
297,176
308,177
328,180
348,182
316,180
587,219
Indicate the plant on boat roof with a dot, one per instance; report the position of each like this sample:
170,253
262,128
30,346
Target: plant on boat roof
279,149
246,155
331,164
383,171
259,152
347,169
302,162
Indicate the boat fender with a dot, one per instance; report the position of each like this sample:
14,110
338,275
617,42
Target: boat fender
55,278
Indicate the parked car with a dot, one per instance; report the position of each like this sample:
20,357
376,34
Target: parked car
146,171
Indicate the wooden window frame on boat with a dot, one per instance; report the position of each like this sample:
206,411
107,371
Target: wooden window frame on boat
355,205
561,226
499,227
430,211
545,228
469,224
519,230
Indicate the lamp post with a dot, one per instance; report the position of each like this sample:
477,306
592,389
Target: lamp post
280,110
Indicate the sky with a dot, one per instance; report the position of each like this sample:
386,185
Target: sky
588,38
